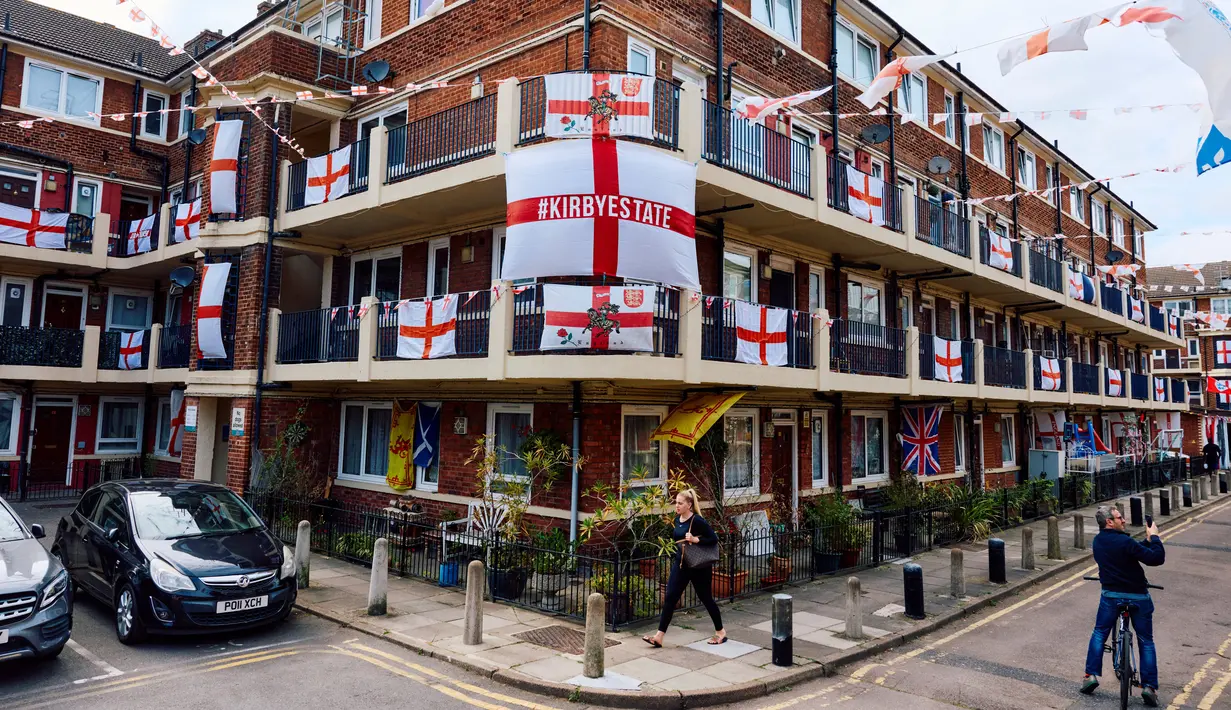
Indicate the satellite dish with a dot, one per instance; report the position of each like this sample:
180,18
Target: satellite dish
876,133
939,165
1114,255
377,71
197,136
181,276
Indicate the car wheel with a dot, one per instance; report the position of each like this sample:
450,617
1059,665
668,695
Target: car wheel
128,627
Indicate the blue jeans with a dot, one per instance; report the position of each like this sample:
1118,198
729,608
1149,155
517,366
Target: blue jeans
1143,624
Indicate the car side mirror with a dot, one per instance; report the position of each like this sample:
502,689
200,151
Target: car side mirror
113,534
37,531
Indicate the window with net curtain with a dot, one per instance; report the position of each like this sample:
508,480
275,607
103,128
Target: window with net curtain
7,409
867,446
118,426
738,431
365,439
639,451
57,91
737,276
163,441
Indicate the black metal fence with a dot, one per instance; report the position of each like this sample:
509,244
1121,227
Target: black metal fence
1004,368
1085,378
1056,380
1046,271
840,188
867,349
357,175
757,151
940,226
1014,252
1140,386
456,135
62,481
532,123
470,337
942,367
322,335
530,327
1112,299
113,345
48,347
720,334
79,233
173,346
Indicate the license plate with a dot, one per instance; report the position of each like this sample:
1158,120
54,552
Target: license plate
4,635
243,604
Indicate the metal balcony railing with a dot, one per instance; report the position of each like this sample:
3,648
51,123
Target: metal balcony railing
532,122
1112,299
840,189
456,135
321,335
174,344
297,178
47,347
1140,386
124,242
719,334
756,151
79,233
530,324
470,336
867,349
1085,378
1003,367
1046,271
111,348
1179,391
1158,319
942,227
933,368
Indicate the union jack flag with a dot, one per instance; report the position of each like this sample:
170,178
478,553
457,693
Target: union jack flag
921,440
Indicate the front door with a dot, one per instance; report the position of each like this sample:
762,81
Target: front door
18,192
978,434
222,441
782,459
782,289
62,308
52,444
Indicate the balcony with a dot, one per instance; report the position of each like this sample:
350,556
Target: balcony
529,324
124,242
111,352
357,175
1179,392
1046,271
174,345
41,347
1140,386
942,227
1086,378
719,334
1158,319
867,349
473,326
1112,299
753,150
451,137
929,366
323,335
1004,368
841,187
82,356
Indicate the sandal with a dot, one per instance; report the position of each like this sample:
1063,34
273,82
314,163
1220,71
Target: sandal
651,641
715,641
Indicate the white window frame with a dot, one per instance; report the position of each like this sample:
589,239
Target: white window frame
1219,305
819,273
367,405
9,448
322,20
1196,396
186,118
821,481
950,106
97,195
60,111
772,7
754,487
494,408
1140,239
644,410
920,78
959,442
432,247
166,114
374,256
1007,429
98,433
741,250
159,423
955,321
884,417
1117,229
1049,174
858,35
421,482
1098,217
29,294
636,45
1032,172
1077,203
372,21
149,308
863,284
989,129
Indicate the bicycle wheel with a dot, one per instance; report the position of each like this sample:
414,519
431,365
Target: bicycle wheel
1126,667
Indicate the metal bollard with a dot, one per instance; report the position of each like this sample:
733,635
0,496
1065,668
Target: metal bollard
854,609
476,579
1222,483
596,646
1188,495
782,653
1134,507
1053,539
303,553
957,573
912,582
1164,502
1027,548
378,587
1079,531
1148,506
995,561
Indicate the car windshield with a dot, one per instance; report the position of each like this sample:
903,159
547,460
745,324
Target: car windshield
10,529
166,515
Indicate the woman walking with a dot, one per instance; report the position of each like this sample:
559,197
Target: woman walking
690,529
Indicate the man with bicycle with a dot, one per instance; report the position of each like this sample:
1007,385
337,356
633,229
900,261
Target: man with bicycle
1119,559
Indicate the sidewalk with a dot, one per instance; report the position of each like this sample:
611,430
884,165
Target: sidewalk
686,671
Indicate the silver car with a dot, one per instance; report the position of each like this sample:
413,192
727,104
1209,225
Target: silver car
36,598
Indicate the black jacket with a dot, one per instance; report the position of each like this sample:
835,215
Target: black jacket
1120,557
700,529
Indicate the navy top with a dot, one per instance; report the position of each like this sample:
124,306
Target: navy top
1120,557
700,529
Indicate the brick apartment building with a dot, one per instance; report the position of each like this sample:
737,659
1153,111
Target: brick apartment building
426,217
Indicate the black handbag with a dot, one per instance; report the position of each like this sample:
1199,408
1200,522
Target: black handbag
700,554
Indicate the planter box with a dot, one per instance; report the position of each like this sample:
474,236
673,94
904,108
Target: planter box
728,585
826,562
507,584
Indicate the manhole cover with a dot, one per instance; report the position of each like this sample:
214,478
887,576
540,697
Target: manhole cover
559,638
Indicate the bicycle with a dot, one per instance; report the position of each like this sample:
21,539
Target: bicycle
1120,646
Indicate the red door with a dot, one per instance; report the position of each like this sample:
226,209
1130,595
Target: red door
53,425
782,473
62,310
18,192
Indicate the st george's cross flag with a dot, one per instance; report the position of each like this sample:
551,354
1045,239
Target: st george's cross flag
760,333
140,235
427,329
756,108
33,228
890,77
921,440
209,311
328,177
1222,352
1115,382
1168,426
1071,36
1081,287
224,167
1136,310
1211,428
601,207
948,359
130,350
1050,374
598,104
1000,252
865,196
598,317
1049,428
1173,323
1160,389
187,222
179,413
1194,269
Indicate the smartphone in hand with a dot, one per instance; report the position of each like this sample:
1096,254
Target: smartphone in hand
1149,520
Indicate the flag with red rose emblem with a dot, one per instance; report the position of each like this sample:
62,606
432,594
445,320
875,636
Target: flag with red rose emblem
584,105
598,318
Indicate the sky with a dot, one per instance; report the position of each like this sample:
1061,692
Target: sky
1124,67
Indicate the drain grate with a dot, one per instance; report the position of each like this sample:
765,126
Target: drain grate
559,638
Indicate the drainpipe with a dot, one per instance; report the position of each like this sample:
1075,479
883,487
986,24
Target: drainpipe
833,97
1132,246
963,182
585,38
23,446
1090,213
263,332
1013,180
1055,174
138,150
721,128
576,492
893,163
838,417
192,98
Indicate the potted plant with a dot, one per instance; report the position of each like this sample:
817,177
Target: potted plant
508,572
550,563
907,496
830,519
727,579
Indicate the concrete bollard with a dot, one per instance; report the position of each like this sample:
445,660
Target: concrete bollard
1188,494
1027,548
476,580
1148,497
781,652
912,587
378,588
854,609
1053,539
1164,502
1198,489
303,553
957,573
1120,507
1079,531
1177,497
995,561
596,647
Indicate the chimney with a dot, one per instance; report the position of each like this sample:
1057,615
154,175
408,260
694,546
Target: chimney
202,42
264,6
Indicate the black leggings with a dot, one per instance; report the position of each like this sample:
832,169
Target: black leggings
680,578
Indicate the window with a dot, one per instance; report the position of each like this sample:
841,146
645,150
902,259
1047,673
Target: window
637,451
365,439
1182,307
1027,171
737,276
61,92
640,57
869,448
10,414
1140,240
876,169
1196,388
1117,230
959,442
376,274
857,54
498,234
913,97
816,290
1098,217
1008,441
371,22
428,479
128,310
863,304
950,117
993,147
119,425
438,267
781,16
1077,203
820,449
508,428
955,322
154,124
740,434
187,119
1217,305
1049,179
162,441
86,196
330,22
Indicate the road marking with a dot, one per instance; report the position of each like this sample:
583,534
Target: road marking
803,698
1200,675
108,670
1215,692
440,687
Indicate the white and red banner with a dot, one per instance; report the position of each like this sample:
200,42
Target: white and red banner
601,207
1211,428
328,177
890,77
1216,385
1194,269
1071,36
1050,375
179,412
427,329
209,311
130,350
187,221
1215,321
999,252
865,196
585,105
1115,382
1120,270
1169,429
1136,310
140,233
760,333
1049,428
224,167
1222,352
756,108
1160,389
1173,324
948,359
33,228
598,317
1118,422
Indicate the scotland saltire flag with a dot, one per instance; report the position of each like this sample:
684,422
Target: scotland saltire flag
427,434
921,440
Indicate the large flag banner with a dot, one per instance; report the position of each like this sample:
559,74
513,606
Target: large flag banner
1049,428
224,167
1216,385
209,311
400,471
1173,324
130,350
1160,389
948,359
598,317
1115,382
187,221
760,333
688,422
179,411
585,105
427,329
1000,252
1071,36
33,228
604,208
1171,435
1194,269
427,434
140,233
1050,374
865,196
1081,287
921,440
328,177
1136,310
1222,352
756,108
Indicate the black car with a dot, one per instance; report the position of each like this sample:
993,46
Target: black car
173,556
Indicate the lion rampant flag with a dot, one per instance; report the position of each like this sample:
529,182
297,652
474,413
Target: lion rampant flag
400,473
598,317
